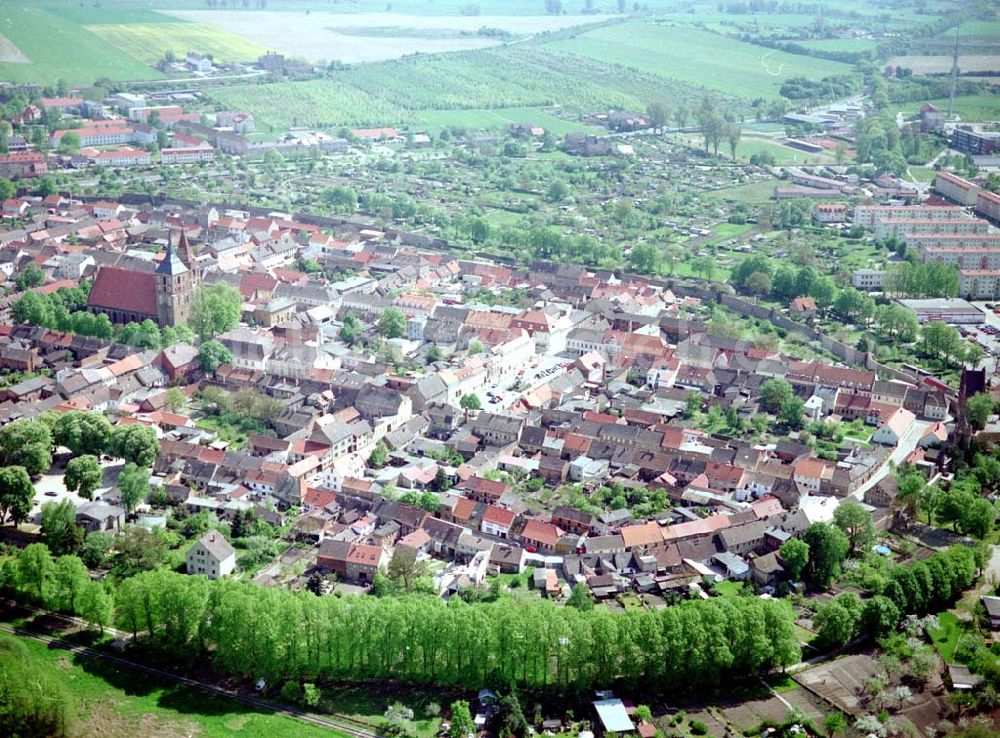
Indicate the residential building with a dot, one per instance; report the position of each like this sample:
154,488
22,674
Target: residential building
211,555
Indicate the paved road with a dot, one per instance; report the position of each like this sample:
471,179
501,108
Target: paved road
992,573
903,449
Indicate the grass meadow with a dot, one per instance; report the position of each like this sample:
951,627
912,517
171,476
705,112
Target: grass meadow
119,703
971,108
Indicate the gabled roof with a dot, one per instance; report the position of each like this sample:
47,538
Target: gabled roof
124,289
216,545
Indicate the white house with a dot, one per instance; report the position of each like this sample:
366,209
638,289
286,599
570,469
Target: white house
497,521
212,556
892,430
505,360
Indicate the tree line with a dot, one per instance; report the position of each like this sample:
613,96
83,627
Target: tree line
253,631
214,309
924,587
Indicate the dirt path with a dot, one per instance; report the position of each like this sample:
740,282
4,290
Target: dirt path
10,53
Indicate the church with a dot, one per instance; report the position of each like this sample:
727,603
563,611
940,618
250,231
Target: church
163,296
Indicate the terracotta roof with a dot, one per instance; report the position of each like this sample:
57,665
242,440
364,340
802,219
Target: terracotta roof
811,468
498,516
693,528
124,289
541,532
464,508
645,534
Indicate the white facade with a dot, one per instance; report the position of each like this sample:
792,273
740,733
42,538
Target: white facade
211,556
868,279
190,155
507,359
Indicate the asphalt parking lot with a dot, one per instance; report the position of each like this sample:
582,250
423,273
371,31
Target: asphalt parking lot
986,335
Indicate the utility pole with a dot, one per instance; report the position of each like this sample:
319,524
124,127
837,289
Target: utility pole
954,77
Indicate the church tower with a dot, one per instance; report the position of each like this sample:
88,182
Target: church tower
186,254
174,289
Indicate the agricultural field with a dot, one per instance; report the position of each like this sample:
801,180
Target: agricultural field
325,36
697,57
842,45
43,45
147,42
977,28
496,119
319,103
941,64
430,8
385,93
114,703
505,78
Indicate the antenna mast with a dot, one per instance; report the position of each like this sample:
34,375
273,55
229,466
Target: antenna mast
954,77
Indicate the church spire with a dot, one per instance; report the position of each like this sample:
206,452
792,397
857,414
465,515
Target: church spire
184,250
171,264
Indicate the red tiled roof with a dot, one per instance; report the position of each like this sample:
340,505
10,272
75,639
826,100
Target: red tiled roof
484,486
540,532
464,508
124,289
643,534
498,516
319,497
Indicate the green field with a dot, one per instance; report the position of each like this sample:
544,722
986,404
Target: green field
946,637
697,57
116,703
505,78
976,28
971,108
499,118
752,194
318,103
470,83
750,145
423,7
845,45
56,45
147,42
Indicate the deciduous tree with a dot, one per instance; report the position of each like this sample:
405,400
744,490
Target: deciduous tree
59,529
136,444
133,483
392,324
83,475
794,556
16,494
27,444
827,548
215,309
978,410
212,354
856,523
461,720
